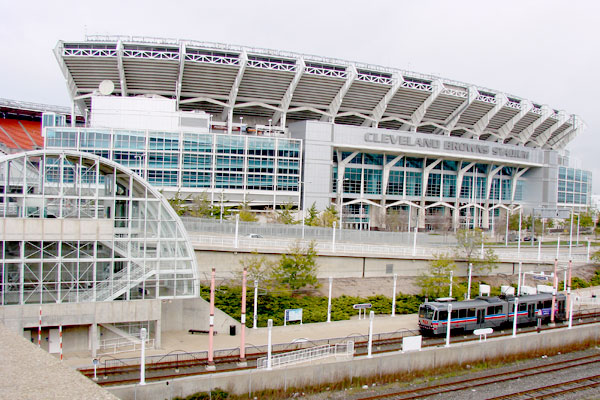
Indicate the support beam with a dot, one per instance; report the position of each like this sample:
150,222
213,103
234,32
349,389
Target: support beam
452,120
289,94
527,132
383,103
484,121
182,51
561,141
514,179
122,79
227,113
415,119
336,103
543,137
504,130
426,171
206,99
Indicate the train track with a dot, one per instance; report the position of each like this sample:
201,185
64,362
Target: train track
557,389
127,374
502,377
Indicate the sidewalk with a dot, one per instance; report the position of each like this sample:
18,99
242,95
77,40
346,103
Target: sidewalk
184,342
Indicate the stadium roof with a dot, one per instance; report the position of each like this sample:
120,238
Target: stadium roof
272,84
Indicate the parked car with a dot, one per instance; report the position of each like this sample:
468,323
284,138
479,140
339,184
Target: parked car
528,239
254,236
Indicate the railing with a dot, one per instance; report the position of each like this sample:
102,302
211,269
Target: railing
122,345
307,355
420,251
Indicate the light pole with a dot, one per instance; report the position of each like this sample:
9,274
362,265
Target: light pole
515,316
143,357
241,124
255,316
394,296
329,300
469,286
448,326
450,292
270,120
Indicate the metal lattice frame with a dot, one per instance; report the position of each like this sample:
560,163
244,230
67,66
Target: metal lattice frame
305,86
80,228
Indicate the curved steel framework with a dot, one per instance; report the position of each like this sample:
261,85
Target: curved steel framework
279,86
75,227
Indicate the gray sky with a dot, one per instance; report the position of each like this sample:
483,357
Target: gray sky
544,51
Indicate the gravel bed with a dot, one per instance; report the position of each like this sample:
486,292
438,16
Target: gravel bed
489,391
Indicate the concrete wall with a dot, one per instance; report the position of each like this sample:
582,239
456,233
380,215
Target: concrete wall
240,382
227,264
185,314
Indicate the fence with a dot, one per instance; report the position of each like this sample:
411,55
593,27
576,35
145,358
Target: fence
122,345
307,355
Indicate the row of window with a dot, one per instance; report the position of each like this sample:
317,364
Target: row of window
172,141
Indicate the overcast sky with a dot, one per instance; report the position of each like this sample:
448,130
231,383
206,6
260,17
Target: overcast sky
544,51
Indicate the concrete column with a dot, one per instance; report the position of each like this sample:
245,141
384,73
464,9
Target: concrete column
94,339
158,334
421,215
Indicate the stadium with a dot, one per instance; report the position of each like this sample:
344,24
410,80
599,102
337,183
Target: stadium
272,127
154,118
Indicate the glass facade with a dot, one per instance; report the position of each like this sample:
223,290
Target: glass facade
95,232
574,186
198,161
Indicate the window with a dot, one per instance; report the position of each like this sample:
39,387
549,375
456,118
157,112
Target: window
413,183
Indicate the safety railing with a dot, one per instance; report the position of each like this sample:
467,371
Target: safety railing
122,345
306,355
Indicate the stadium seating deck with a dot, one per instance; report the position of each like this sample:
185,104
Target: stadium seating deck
21,134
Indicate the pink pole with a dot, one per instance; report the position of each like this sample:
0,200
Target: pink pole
554,288
568,285
243,318
60,337
40,329
212,318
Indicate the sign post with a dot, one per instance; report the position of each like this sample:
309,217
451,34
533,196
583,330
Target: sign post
360,307
95,362
292,314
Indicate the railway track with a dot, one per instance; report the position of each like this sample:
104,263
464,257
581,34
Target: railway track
490,379
557,389
126,374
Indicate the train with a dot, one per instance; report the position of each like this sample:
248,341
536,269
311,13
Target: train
488,312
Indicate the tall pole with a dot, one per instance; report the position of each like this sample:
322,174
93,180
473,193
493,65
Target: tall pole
577,242
329,300
409,216
519,242
243,318
482,245
557,246
61,340
40,328
568,285
394,296
571,235
237,223
211,321
303,206
269,359
506,236
255,316
333,238
450,291
469,285
370,347
570,312
143,357
448,326
414,252
588,251
554,284
519,283
515,317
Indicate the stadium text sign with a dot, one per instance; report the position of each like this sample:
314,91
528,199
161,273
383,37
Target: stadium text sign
445,144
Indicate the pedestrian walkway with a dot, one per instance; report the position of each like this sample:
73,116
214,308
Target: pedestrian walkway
183,341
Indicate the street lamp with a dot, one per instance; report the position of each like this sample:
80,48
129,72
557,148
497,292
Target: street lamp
241,124
270,120
303,187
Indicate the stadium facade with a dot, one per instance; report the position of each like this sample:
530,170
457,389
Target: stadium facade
272,127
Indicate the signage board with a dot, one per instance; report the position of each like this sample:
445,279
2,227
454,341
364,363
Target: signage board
362,306
561,213
483,331
293,314
411,343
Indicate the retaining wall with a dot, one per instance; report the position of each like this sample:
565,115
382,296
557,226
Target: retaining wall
249,381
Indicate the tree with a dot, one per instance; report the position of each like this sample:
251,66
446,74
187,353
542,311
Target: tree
179,204
467,247
246,213
513,222
435,282
312,219
284,215
201,207
258,268
328,216
298,269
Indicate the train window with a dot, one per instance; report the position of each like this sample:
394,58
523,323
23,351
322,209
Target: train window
561,306
462,313
522,306
471,312
426,312
490,310
443,315
548,304
540,305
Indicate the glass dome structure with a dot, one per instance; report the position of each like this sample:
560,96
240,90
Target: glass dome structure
75,227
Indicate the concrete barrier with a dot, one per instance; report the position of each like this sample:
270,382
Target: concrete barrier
250,381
